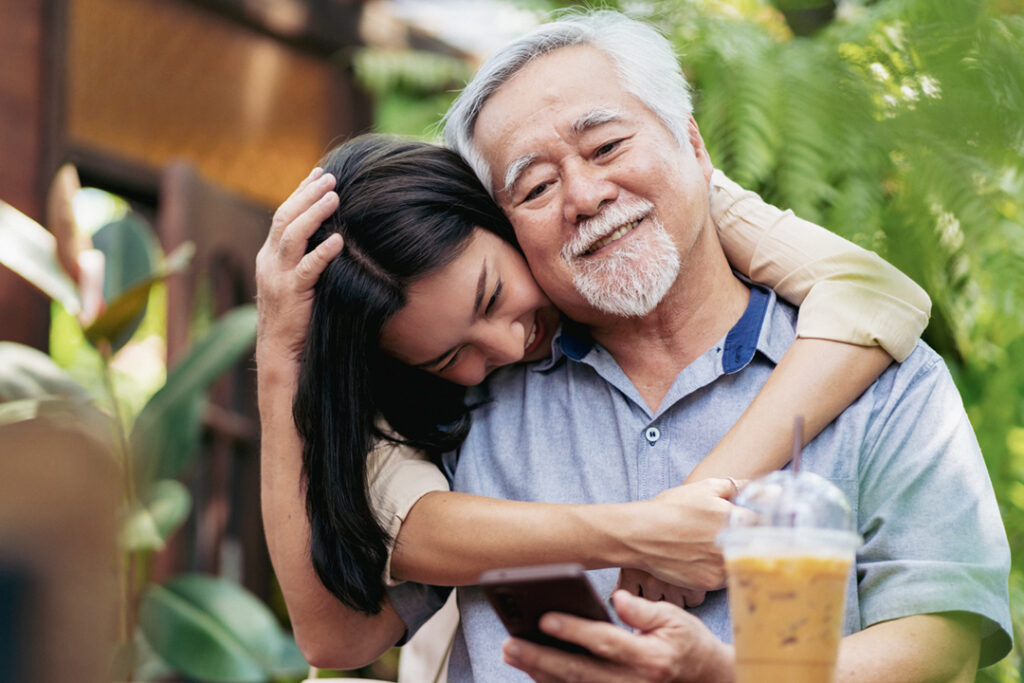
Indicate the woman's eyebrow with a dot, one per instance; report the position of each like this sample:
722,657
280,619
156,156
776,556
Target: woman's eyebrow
481,284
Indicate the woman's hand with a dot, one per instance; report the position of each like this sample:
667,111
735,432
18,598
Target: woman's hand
640,583
676,543
286,274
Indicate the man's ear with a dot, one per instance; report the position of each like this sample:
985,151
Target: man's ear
700,152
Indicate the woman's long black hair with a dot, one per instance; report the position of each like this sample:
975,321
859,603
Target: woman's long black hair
406,209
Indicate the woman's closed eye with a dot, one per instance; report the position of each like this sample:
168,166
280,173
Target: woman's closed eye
494,298
452,360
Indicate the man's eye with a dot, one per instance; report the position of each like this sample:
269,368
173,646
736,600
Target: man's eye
535,192
606,148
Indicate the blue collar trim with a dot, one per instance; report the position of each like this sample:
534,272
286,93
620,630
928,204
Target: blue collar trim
575,340
741,342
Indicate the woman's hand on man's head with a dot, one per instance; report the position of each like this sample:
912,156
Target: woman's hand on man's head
285,273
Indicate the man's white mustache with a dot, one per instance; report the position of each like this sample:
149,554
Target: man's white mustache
614,216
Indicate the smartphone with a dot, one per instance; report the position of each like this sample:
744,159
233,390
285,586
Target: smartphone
521,595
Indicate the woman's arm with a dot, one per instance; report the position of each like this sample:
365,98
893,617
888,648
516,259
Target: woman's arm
328,633
845,292
857,313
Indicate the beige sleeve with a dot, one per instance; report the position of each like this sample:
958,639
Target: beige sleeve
398,476
845,293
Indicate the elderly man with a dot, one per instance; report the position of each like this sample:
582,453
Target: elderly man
582,130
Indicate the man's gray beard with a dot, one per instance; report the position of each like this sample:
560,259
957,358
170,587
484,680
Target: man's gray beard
632,280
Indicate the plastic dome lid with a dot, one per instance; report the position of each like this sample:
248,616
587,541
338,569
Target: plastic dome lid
787,499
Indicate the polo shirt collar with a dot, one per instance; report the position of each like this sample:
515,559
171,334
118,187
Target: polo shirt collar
573,340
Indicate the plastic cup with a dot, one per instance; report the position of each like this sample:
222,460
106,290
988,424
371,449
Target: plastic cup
788,566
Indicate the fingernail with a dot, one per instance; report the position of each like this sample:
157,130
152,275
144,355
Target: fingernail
315,172
553,624
512,649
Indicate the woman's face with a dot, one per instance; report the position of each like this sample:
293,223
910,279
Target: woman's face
481,311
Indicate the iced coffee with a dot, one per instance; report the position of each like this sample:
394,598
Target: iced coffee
787,579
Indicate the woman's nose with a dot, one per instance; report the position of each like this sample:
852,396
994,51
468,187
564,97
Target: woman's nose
504,342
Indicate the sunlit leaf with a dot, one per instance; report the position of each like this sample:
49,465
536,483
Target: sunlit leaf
31,252
122,316
139,532
214,630
174,410
75,415
28,373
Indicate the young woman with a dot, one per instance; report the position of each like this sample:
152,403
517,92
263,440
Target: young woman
407,220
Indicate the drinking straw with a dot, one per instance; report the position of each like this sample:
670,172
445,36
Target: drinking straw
798,434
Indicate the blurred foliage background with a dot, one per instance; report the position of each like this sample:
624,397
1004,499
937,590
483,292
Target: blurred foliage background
898,124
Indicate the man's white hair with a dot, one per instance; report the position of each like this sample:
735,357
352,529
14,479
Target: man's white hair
644,60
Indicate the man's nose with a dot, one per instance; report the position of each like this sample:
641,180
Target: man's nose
587,190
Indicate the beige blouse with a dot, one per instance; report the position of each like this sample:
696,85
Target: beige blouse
845,293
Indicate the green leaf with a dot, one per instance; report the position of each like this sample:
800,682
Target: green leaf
139,532
130,250
28,373
152,520
122,315
31,252
175,410
214,630
148,664
120,319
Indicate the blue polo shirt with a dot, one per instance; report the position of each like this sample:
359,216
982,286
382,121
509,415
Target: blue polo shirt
574,429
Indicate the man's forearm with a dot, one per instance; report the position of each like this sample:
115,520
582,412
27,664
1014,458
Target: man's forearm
918,649
329,633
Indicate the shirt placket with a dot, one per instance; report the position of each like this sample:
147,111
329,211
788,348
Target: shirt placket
652,460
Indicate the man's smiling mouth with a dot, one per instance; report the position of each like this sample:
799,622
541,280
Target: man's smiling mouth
614,223
619,233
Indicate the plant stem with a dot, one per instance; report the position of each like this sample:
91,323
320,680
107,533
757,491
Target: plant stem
126,578
121,434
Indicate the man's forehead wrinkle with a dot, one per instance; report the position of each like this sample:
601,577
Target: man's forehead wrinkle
515,171
593,118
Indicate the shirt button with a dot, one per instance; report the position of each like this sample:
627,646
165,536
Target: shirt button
652,435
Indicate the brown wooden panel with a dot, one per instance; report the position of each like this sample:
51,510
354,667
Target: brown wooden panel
21,103
154,80
24,312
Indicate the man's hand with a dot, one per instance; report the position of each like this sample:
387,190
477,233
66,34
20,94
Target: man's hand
285,274
669,645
